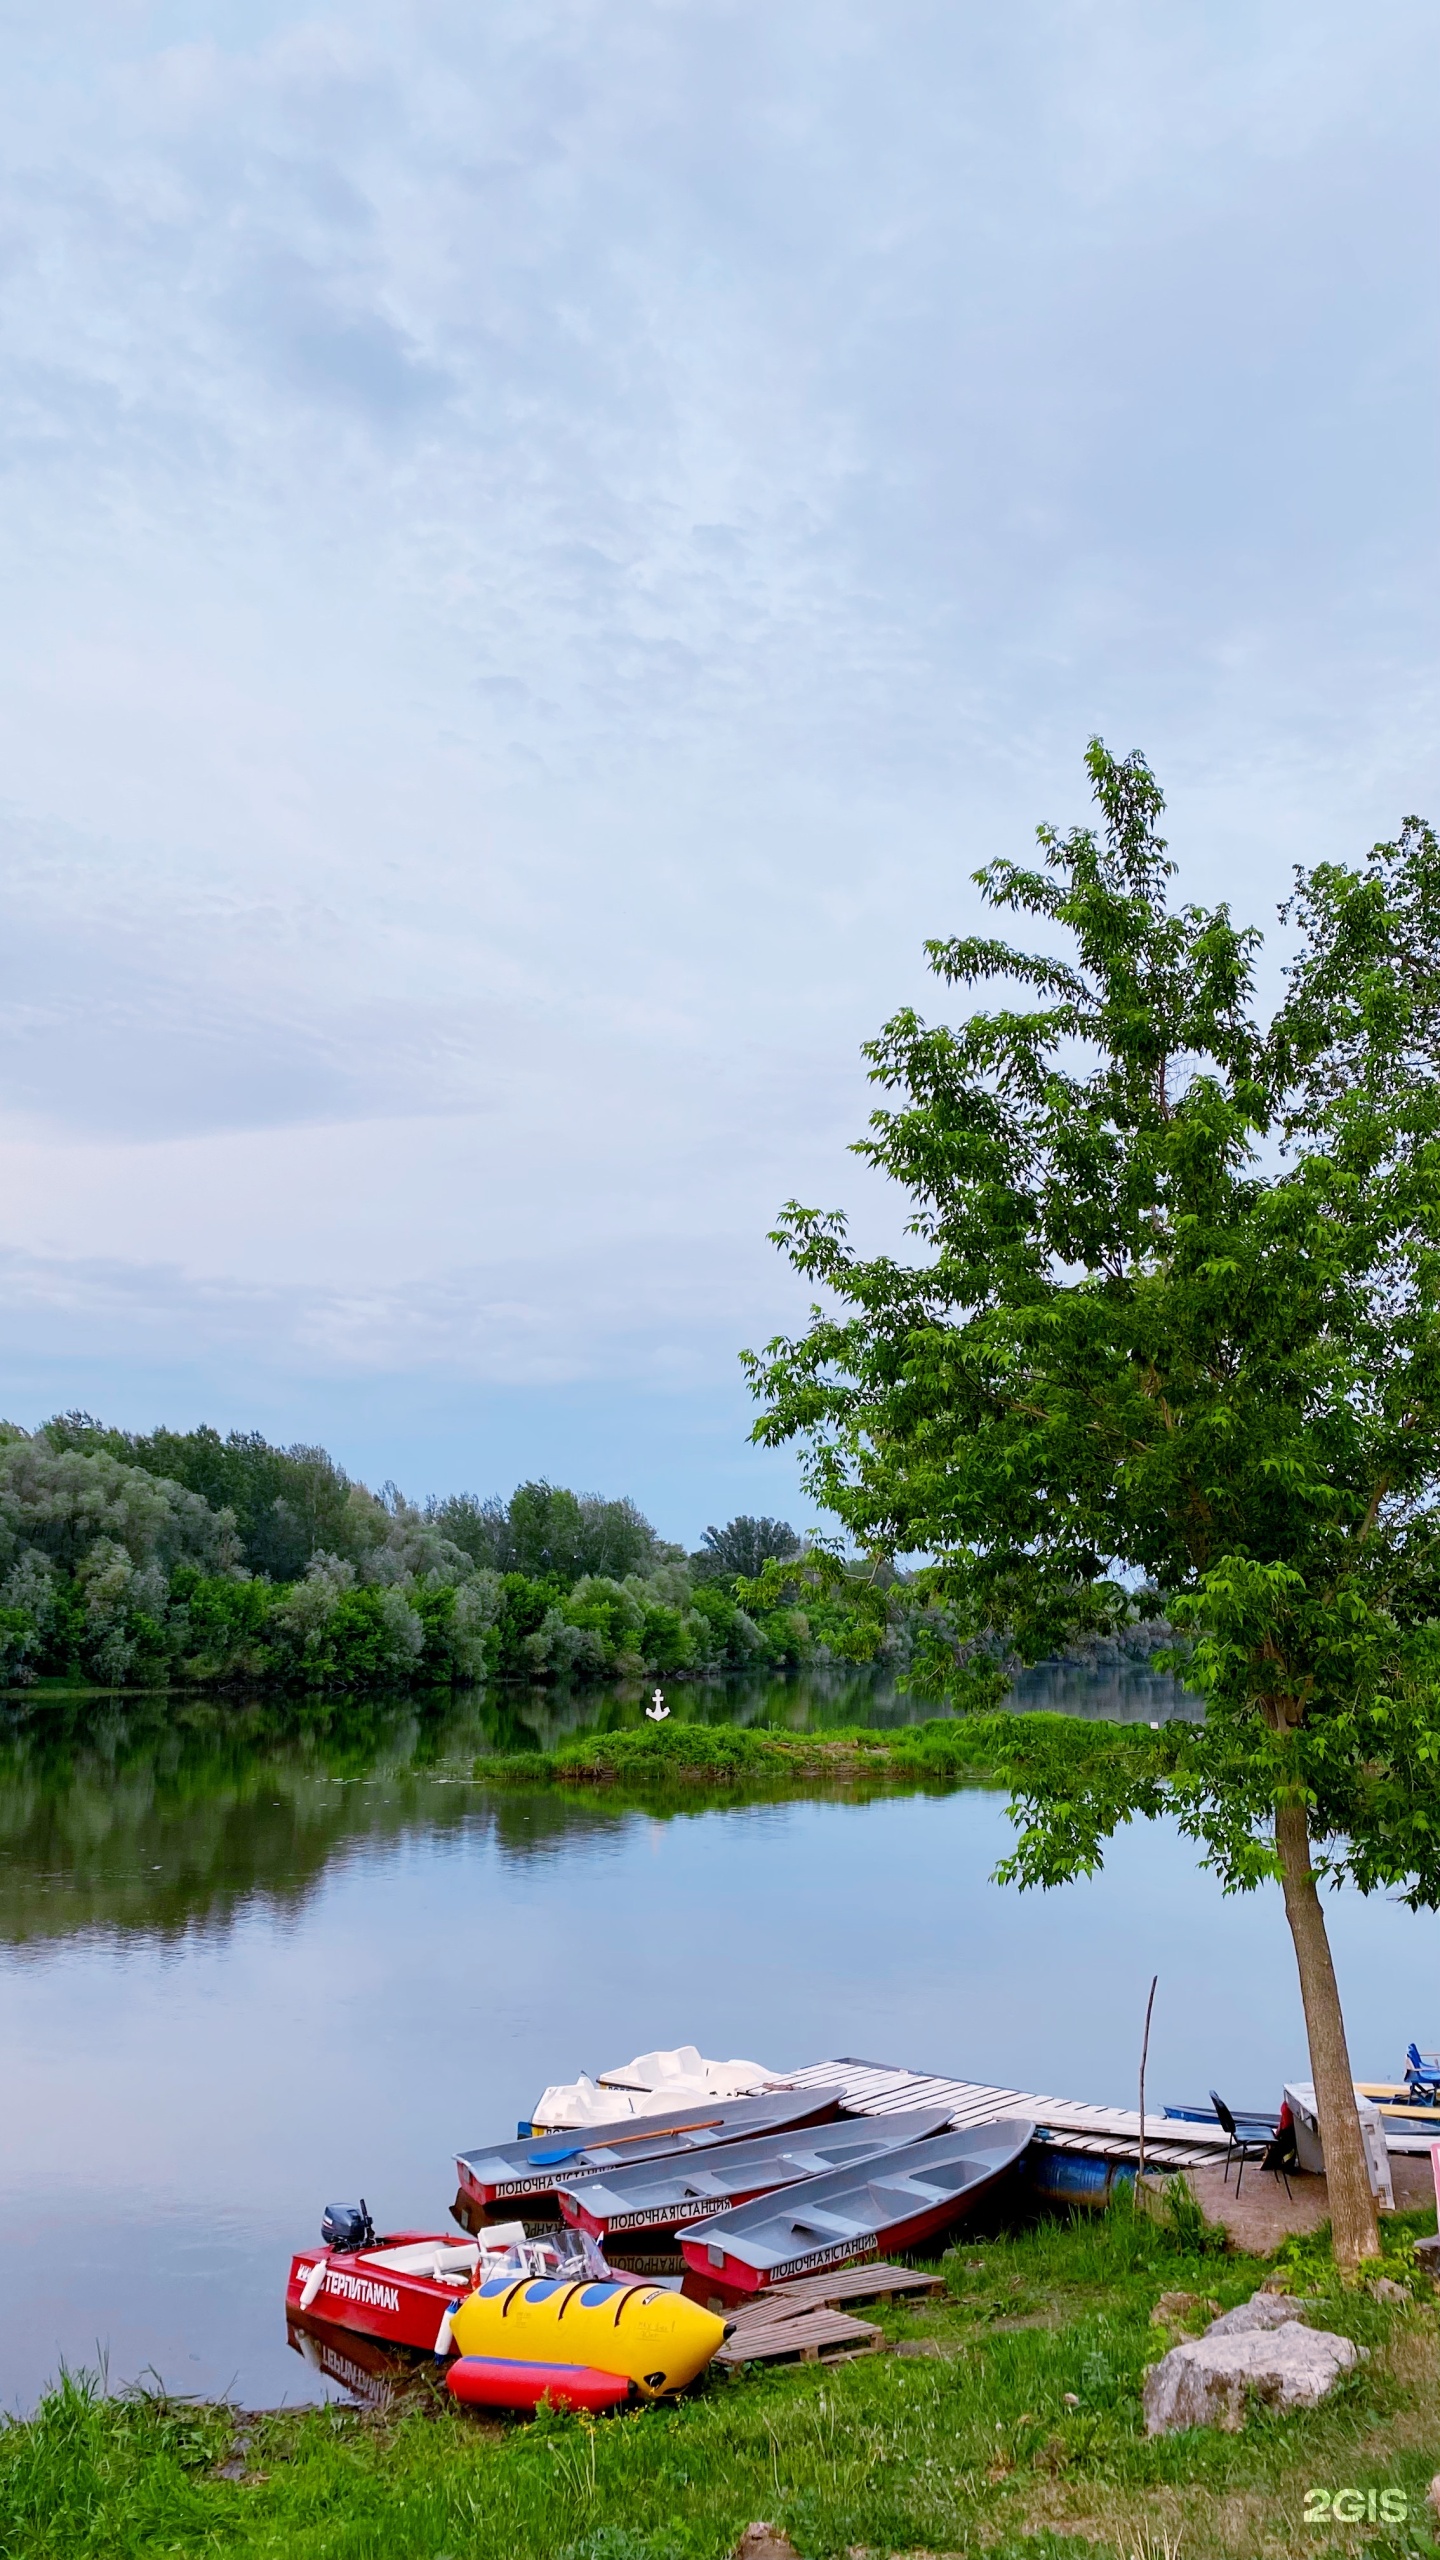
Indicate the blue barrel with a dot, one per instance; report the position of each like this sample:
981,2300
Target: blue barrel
1067,2177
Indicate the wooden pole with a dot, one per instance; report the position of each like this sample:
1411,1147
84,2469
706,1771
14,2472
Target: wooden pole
1144,2058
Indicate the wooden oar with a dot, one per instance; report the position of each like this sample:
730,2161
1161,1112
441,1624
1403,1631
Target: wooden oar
650,2133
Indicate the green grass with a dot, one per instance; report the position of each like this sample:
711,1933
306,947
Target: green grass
1022,2435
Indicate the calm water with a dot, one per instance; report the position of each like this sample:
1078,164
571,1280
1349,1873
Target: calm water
243,1973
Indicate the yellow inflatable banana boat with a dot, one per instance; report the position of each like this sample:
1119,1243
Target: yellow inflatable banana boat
659,2340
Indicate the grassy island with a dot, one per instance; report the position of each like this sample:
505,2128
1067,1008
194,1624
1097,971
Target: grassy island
999,1750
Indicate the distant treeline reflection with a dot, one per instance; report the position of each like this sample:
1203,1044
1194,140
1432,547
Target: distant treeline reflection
164,1813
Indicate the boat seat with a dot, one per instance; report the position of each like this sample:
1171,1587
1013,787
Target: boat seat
426,2258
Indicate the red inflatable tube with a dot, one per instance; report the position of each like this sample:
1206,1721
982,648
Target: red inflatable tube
504,2382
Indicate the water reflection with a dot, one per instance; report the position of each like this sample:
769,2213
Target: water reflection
247,1964
1120,1688
250,1958
166,1815
1119,1692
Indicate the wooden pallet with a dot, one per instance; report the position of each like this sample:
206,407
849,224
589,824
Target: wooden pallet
804,2321
879,2283
803,2336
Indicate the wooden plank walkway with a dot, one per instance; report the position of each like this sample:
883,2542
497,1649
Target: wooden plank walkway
1100,2133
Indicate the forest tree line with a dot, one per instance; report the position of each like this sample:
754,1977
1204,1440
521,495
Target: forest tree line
143,1558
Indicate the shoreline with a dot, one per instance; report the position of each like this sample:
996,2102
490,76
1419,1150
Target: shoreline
1003,2416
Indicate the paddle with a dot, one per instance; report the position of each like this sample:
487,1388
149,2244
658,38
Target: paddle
649,2133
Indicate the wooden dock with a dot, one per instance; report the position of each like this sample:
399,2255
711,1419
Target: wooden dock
1068,2124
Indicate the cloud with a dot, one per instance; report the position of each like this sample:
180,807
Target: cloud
541,546
667,1319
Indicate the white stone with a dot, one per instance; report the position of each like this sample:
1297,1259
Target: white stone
1262,2311
1204,2382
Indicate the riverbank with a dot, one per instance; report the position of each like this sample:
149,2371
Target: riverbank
1005,2417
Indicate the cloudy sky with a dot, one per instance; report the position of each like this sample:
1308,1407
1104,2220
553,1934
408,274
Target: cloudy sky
540,545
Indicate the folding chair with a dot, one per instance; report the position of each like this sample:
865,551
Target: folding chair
1266,2152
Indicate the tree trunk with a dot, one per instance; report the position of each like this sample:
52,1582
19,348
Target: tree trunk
1353,2219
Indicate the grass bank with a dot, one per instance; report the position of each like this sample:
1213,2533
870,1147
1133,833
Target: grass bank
1012,2426
943,1752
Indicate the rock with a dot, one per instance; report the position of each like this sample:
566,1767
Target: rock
764,2542
1203,2382
1175,2309
1262,2311
1385,2289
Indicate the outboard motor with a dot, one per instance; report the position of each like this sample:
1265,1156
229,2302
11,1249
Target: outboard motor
347,2226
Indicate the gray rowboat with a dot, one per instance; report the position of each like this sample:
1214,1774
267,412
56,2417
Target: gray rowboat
531,2170
660,2196
865,2211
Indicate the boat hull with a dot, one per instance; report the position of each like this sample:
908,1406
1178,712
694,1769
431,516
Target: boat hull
731,2259
729,2274
659,2198
527,2176
505,2382
1250,2122
357,2290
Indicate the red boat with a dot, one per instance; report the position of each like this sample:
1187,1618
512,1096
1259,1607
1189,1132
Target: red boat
400,2289
528,2173
856,2213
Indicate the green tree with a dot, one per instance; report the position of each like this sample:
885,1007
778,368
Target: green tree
1174,1314
565,1536
288,1504
743,1548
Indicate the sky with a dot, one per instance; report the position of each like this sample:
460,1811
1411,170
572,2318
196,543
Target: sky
539,549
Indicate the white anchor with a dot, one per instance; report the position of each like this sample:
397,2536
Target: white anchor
658,1713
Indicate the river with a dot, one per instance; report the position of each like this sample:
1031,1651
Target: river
245,1969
